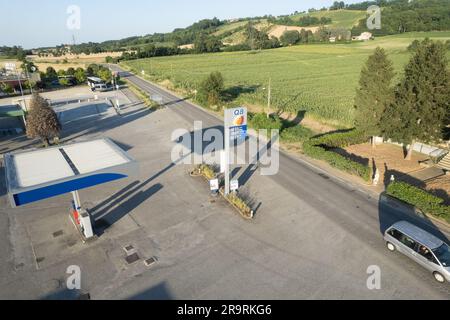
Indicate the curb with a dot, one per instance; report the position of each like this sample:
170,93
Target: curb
241,213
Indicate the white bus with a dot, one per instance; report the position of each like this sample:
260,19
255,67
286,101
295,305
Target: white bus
97,84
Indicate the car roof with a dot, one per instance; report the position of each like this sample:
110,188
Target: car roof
418,235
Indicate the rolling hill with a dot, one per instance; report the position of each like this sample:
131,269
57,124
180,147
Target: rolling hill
340,18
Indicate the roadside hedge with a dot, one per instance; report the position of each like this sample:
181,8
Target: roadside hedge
342,139
316,148
296,133
260,121
420,199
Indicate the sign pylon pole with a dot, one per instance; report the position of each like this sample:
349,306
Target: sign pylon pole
227,161
235,129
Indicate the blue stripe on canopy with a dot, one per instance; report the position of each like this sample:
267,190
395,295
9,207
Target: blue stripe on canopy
51,191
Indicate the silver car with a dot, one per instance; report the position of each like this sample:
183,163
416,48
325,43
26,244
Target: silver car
427,250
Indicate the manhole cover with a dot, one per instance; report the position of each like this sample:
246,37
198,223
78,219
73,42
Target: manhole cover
54,284
84,296
19,266
150,262
132,258
71,244
129,249
58,234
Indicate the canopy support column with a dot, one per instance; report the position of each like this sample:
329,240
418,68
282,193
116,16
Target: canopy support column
82,217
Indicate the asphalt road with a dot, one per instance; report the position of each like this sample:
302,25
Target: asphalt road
348,207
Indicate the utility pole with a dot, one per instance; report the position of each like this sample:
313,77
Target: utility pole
28,78
269,97
21,89
227,160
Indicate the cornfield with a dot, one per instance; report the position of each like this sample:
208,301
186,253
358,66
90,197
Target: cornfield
320,80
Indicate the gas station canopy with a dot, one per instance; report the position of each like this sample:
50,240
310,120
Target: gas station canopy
45,173
13,110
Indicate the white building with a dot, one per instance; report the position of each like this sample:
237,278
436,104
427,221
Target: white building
365,36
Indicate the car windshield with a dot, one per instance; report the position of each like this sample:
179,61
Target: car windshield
443,255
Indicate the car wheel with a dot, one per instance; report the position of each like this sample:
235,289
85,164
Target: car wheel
439,277
390,247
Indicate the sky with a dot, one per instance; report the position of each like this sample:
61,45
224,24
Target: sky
42,23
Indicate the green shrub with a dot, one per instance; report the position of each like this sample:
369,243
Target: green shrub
6,88
315,148
210,90
207,171
420,199
296,134
241,205
260,121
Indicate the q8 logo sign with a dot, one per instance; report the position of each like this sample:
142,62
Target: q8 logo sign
236,123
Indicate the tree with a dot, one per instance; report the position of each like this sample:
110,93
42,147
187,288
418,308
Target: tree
93,69
29,84
422,99
29,66
274,42
338,5
290,37
322,34
200,44
6,88
80,75
42,121
204,44
51,74
210,89
413,46
213,44
256,39
65,82
70,71
105,74
374,94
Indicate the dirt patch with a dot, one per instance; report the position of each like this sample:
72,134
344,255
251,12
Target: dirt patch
277,31
387,156
311,123
389,159
167,84
187,46
59,66
80,56
74,61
